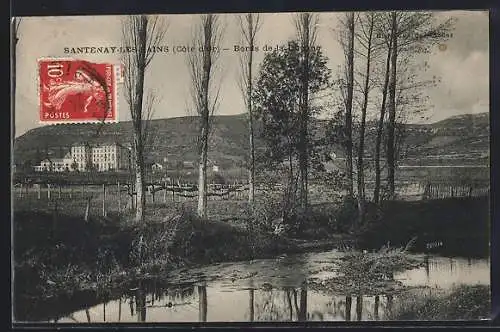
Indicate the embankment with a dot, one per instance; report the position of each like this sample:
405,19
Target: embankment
453,226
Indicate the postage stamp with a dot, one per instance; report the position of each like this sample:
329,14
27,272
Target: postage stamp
73,90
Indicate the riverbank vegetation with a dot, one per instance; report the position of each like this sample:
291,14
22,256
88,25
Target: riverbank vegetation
463,302
61,255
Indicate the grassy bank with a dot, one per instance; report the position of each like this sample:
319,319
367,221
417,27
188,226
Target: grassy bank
60,255
464,302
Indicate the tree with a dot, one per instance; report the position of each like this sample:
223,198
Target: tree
277,101
368,45
380,124
207,36
391,166
347,42
142,33
306,29
249,26
412,33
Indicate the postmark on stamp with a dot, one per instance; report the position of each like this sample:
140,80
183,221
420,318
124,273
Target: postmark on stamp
73,90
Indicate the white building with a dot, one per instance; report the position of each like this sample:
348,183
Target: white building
56,164
81,154
111,157
103,157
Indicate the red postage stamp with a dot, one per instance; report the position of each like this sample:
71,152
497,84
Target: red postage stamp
74,90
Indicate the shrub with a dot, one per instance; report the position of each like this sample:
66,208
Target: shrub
345,214
365,273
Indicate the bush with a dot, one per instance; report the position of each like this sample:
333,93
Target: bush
345,214
364,273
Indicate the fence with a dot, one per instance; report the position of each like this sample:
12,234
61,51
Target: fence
448,190
99,199
104,197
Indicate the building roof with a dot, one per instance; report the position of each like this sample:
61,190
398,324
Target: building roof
53,160
101,144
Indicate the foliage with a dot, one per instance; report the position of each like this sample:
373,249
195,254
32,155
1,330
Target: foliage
277,107
276,97
364,273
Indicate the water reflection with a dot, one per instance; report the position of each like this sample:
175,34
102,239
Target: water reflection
192,303
277,292
203,304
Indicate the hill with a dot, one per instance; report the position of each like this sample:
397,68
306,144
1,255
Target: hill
454,139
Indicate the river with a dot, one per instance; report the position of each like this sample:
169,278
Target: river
267,290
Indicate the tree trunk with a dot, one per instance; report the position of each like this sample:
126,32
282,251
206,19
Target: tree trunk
139,182
361,148
391,166
202,176
204,117
348,113
251,170
304,113
380,127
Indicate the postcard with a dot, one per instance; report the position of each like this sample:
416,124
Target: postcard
272,167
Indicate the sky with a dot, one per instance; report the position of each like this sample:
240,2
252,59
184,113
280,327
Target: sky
463,66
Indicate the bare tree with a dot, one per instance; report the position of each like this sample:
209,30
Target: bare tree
142,33
306,26
347,42
365,38
207,36
380,124
391,167
411,33
249,26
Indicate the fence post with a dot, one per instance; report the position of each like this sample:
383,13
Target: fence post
165,192
21,190
119,197
153,193
48,191
104,199
87,209
39,191
70,191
